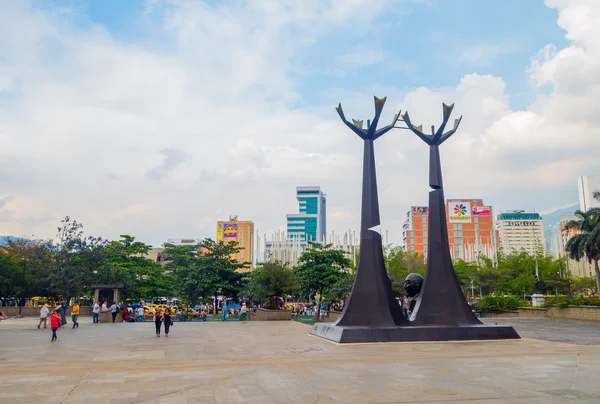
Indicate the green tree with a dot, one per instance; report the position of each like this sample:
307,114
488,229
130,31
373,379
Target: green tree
10,267
124,261
586,244
399,263
339,290
320,267
205,270
273,279
74,264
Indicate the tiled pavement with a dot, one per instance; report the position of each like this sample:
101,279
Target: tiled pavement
278,362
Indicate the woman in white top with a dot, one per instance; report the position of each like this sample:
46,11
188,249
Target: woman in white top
43,315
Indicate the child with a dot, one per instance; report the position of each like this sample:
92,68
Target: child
54,323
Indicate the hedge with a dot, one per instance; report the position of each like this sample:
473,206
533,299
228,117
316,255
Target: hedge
500,303
577,301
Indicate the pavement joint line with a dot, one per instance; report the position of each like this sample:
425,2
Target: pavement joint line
218,365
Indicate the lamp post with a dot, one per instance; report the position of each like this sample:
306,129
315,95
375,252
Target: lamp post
21,298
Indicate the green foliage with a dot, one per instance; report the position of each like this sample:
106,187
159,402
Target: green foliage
586,244
340,289
124,261
514,274
563,301
320,268
272,279
500,303
400,263
205,270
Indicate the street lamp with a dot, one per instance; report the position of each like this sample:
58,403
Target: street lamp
22,286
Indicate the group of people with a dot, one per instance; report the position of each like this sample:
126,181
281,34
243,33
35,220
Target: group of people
163,317
58,318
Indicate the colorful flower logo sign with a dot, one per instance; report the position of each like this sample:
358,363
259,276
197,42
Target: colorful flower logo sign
459,212
230,230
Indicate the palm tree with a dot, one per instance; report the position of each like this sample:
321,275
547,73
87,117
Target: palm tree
587,242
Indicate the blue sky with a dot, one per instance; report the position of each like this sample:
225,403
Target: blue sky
224,107
428,43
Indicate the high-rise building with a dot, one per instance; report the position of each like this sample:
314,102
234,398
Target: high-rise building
561,236
588,184
471,232
310,223
520,230
241,231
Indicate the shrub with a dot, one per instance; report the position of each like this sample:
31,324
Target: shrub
577,301
500,303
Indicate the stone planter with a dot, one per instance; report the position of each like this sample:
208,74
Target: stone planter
270,315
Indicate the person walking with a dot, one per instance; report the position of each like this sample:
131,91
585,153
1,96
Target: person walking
140,314
55,321
224,310
62,310
168,322
244,313
114,309
75,314
157,320
44,311
96,312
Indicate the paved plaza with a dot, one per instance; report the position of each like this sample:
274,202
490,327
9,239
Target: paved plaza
278,362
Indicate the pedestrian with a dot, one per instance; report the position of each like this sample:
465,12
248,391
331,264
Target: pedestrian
104,306
114,309
96,312
167,321
43,315
140,314
55,321
4,317
224,311
75,314
244,313
157,320
62,310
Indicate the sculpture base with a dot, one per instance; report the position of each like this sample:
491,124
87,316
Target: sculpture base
345,334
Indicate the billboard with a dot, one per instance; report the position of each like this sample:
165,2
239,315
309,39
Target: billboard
219,231
459,212
230,230
482,210
420,210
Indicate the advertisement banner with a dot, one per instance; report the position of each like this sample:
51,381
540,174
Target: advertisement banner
459,212
482,210
219,231
420,210
230,230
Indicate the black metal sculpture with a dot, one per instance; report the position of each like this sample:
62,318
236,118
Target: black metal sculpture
372,301
412,285
372,314
441,299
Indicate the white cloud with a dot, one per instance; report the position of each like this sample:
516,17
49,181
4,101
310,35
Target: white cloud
164,141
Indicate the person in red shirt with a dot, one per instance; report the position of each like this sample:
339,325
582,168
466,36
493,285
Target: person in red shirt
54,323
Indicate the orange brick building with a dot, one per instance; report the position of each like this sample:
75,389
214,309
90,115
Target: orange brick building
471,231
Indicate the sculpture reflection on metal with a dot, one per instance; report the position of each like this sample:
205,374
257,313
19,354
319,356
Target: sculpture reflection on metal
371,301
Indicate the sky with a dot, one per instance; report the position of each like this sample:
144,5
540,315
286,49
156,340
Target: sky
158,118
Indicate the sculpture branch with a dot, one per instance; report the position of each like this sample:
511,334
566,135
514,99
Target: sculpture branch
437,137
355,128
386,129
